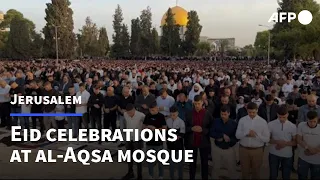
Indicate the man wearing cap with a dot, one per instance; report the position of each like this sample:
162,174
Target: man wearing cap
15,108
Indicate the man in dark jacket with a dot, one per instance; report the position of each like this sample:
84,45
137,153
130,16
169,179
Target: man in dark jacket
73,122
184,105
223,141
35,90
64,86
49,108
144,100
268,109
95,104
198,123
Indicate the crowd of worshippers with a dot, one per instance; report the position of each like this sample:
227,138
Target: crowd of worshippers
220,111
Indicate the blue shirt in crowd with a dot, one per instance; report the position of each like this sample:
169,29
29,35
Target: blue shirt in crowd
219,128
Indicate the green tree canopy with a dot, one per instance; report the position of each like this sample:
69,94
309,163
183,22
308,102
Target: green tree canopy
135,37
192,34
59,14
170,41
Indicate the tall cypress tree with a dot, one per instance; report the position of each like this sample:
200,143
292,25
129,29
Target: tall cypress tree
192,34
146,25
170,41
103,42
59,14
135,37
117,49
125,40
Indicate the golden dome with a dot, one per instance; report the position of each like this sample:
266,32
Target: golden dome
180,15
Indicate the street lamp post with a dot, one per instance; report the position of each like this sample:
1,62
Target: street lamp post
269,42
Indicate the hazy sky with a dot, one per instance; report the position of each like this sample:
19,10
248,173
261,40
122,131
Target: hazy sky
219,18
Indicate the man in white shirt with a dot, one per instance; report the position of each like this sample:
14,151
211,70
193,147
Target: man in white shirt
165,102
253,133
82,108
309,147
287,88
283,137
174,122
134,120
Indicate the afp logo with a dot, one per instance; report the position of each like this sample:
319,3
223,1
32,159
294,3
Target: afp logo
304,17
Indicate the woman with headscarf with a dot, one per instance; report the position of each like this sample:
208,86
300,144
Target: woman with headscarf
196,90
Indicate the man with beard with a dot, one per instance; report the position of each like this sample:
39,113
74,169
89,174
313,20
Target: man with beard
198,123
207,103
124,100
184,105
196,90
311,106
144,100
54,83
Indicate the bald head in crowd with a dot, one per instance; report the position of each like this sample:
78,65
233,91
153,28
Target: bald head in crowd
110,91
312,100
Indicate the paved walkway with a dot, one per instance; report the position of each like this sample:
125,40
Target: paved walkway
62,170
